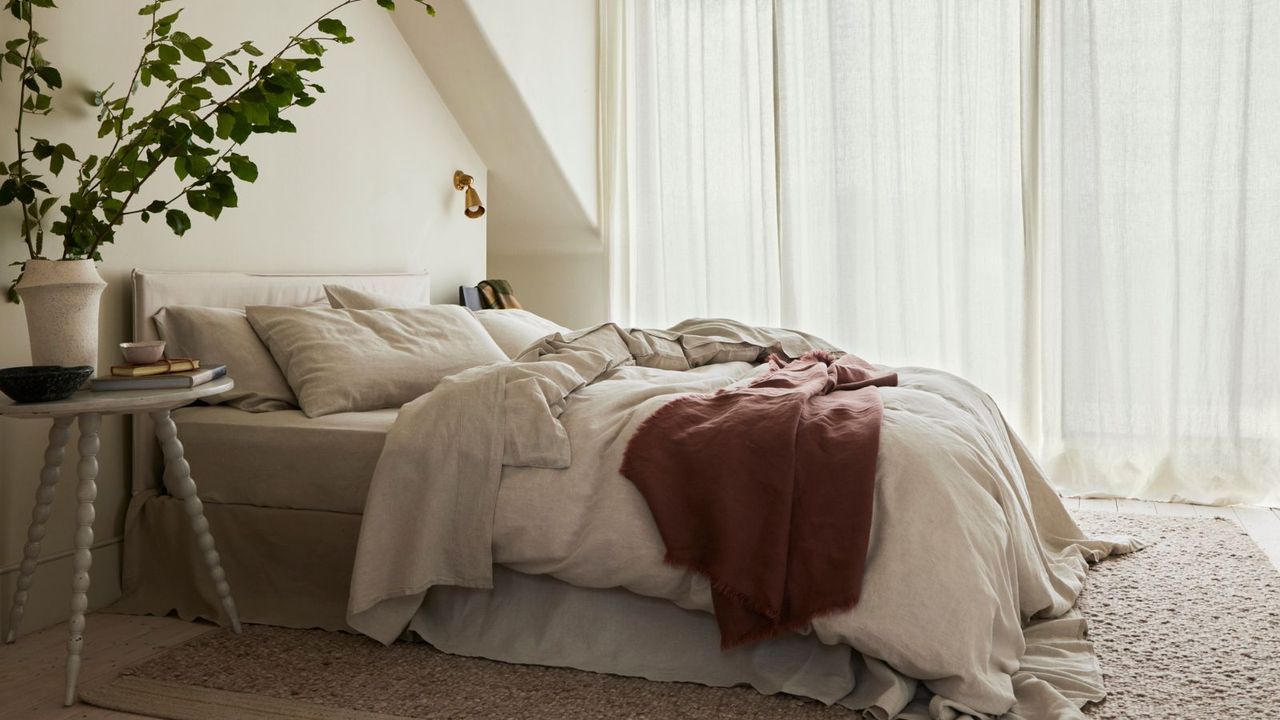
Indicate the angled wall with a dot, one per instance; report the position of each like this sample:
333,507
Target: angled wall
521,79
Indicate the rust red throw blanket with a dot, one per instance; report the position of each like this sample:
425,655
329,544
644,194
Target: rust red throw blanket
767,489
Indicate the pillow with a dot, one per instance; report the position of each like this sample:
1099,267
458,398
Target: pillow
224,335
352,360
515,330
352,299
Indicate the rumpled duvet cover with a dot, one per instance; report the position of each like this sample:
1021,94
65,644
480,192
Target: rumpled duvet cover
972,568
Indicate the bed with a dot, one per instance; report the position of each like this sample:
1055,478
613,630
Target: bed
284,495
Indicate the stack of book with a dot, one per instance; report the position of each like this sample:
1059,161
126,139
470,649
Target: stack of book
163,375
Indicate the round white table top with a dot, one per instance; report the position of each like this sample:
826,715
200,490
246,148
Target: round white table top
114,402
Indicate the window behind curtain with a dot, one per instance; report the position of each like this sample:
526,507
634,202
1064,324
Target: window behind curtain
1160,197
702,177
854,168
900,172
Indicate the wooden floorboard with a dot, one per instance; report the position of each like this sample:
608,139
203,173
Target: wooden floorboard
31,670
1098,504
1139,507
1264,527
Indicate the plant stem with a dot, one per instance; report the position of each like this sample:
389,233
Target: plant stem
22,99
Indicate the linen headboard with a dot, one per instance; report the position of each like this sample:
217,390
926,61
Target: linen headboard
153,290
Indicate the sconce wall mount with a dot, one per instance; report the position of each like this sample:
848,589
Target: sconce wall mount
463,182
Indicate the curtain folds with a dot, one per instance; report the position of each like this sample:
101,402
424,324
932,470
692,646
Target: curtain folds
1073,205
1160,208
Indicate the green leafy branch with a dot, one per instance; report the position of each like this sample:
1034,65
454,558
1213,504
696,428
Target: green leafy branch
37,80
213,105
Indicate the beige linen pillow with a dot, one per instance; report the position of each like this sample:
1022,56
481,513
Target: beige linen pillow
515,330
353,360
341,296
224,335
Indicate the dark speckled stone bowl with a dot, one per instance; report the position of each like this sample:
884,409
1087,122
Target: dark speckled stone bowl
42,383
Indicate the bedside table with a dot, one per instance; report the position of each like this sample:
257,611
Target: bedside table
87,408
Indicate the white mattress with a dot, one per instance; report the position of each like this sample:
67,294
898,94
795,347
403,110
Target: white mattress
283,459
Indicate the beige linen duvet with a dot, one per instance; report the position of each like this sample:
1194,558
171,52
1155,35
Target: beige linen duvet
973,566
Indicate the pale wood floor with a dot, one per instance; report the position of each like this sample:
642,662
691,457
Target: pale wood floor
31,671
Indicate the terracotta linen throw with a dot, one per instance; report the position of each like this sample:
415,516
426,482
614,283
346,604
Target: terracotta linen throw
767,489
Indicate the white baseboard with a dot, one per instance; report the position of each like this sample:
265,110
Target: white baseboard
49,601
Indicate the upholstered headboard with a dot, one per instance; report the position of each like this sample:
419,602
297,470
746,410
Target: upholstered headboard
155,290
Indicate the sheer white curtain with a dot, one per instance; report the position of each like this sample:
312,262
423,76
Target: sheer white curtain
699,177
1160,223
901,186
1074,205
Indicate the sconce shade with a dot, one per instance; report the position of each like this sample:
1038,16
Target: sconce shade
474,207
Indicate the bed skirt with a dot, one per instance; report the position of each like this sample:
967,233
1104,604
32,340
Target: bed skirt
292,568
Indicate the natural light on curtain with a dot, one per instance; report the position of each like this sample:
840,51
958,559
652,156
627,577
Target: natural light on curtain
1160,223
702,177
1075,205
899,165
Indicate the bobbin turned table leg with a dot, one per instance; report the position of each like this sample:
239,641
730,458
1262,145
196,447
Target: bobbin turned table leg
177,479
82,560
49,475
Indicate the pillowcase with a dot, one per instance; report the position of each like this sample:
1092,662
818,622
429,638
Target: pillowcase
353,360
224,335
352,299
515,330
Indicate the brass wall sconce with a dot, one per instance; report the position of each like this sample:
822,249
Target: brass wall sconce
462,181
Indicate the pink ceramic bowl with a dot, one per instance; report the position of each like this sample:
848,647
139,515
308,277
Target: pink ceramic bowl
142,353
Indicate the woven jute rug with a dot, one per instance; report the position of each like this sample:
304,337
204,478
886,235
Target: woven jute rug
1188,628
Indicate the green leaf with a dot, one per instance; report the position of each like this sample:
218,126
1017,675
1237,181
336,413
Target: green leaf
178,221
119,182
180,167
249,48
155,206
161,71
332,26
243,168
149,9
50,76
168,54
190,49
226,122
219,75
55,164
388,4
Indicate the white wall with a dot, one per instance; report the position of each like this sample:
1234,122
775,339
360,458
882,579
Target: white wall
365,185
521,78
549,50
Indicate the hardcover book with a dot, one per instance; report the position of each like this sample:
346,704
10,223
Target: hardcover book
164,367
166,381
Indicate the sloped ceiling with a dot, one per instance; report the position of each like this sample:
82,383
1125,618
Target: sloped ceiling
532,206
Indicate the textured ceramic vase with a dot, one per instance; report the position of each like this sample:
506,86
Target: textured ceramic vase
62,298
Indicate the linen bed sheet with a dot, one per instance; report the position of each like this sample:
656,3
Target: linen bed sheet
283,459
969,541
